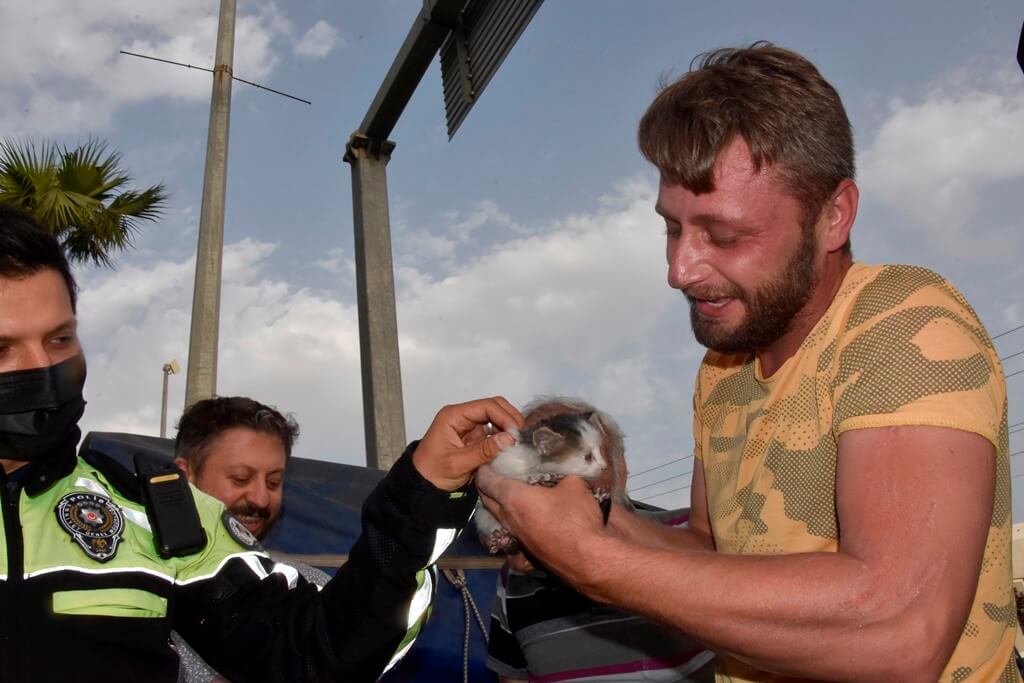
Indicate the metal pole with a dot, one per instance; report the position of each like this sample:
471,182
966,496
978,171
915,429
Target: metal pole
201,381
383,417
163,403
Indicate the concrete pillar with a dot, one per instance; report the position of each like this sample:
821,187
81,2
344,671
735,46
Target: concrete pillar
383,417
201,380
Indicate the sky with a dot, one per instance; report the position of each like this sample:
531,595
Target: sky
528,257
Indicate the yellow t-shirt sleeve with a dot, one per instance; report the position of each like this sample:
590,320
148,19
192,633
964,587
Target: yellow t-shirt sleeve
926,361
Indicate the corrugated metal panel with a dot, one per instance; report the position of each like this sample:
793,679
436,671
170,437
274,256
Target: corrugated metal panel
490,29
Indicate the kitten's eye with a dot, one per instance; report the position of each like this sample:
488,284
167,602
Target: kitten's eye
589,457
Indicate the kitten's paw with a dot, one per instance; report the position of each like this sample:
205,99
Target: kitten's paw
545,478
502,542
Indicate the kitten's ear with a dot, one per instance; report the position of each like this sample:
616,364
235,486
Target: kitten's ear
593,418
547,441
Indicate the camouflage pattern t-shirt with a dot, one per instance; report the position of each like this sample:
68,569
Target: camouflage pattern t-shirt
898,346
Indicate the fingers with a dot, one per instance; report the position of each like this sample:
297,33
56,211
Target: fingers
488,483
575,484
542,518
520,563
467,460
477,434
456,443
465,417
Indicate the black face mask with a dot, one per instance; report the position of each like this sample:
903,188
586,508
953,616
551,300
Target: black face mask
40,408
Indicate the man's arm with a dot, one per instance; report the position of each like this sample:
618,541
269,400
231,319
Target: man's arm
255,628
914,506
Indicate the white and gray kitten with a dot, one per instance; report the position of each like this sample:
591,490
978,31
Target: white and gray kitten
547,451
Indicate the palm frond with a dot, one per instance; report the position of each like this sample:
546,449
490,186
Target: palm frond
26,172
76,193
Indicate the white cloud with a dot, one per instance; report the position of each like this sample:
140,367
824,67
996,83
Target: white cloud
63,73
572,311
336,262
623,387
462,233
318,41
278,343
551,313
486,214
936,161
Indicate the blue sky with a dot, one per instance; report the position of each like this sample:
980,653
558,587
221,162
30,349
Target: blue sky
528,256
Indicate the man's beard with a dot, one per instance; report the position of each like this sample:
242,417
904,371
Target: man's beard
247,512
770,309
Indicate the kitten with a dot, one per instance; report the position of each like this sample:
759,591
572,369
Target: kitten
547,451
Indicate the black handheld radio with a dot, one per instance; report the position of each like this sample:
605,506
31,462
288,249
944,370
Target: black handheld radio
170,506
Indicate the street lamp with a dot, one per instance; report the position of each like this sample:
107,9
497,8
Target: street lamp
169,369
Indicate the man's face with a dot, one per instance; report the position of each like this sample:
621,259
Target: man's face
741,254
244,469
37,326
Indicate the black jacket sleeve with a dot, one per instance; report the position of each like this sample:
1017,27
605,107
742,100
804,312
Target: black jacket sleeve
251,626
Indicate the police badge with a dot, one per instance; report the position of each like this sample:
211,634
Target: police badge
238,531
95,523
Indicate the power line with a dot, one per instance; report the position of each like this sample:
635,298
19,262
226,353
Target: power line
1012,355
664,493
1014,373
202,68
1015,424
656,467
1003,334
647,486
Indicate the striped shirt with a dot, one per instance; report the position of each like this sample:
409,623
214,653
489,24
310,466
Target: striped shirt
545,632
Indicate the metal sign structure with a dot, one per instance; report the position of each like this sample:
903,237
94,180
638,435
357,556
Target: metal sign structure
477,45
479,33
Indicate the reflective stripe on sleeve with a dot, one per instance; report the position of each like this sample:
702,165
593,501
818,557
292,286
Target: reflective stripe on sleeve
421,598
252,560
442,540
417,614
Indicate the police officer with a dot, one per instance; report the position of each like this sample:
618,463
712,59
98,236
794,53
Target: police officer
85,593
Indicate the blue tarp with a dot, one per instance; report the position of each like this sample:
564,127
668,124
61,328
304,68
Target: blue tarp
322,517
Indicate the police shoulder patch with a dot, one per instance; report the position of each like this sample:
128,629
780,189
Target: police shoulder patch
238,531
94,521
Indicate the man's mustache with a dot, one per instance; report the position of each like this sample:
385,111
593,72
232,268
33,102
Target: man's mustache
252,511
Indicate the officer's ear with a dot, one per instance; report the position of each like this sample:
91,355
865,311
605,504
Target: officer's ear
182,464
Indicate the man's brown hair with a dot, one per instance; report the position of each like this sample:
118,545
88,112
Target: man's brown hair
790,117
205,420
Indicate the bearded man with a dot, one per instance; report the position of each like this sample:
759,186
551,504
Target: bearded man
237,449
850,500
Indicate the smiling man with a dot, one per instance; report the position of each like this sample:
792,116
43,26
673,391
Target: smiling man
850,499
237,449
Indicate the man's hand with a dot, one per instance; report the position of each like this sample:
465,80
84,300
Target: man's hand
550,522
458,440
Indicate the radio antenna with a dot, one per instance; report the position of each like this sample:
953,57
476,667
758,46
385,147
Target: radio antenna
201,68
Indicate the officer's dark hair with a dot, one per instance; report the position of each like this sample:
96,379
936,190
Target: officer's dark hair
205,420
26,249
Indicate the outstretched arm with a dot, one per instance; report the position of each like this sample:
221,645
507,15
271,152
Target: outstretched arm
251,626
914,505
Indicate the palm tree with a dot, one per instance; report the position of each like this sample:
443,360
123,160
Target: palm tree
78,196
